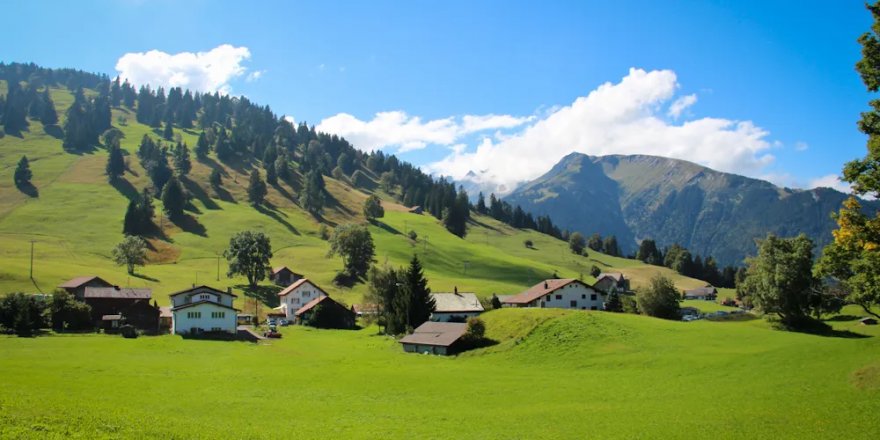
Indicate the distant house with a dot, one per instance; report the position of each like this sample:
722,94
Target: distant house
277,313
283,276
365,309
166,318
611,281
297,295
77,286
868,321
416,210
435,338
707,293
455,307
203,309
334,315
113,305
559,293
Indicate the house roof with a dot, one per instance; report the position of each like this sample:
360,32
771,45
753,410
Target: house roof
365,308
276,270
111,317
165,312
277,311
538,290
701,291
616,276
79,281
117,293
456,302
311,305
441,334
198,303
203,286
298,283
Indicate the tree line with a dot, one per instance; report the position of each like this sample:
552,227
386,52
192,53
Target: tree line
681,260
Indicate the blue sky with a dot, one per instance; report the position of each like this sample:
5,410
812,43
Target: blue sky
503,88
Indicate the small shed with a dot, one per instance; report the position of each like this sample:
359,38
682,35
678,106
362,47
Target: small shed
435,338
165,319
365,309
283,276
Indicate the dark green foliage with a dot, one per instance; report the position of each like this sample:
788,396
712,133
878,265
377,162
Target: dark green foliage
355,245
595,271
312,197
613,302
595,242
130,252
22,175
481,204
419,300
15,109
456,215
659,299
70,314
648,253
48,115
476,329
248,254
330,315
182,163
86,120
282,168
385,291
216,178
610,247
271,176
154,159
223,147
496,302
139,215
256,188
23,313
577,243
202,146
115,163
173,198
529,244
168,133
373,208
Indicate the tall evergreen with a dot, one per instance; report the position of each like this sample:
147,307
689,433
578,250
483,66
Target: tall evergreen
271,177
173,198
421,303
481,204
115,163
168,133
202,146
182,163
312,197
256,189
282,168
23,175
48,116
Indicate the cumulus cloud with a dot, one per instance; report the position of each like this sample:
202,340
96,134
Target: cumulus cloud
203,71
399,130
681,104
830,181
622,118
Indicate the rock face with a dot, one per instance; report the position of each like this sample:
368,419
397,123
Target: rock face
675,201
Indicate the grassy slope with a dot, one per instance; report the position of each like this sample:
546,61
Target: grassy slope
556,374
77,219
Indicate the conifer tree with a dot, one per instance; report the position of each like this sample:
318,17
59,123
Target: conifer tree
256,189
216,178
48,115
421,303
202,146
182,163
131,223
168,133
23,173
173,198
271,178
115,163
312,197
282,168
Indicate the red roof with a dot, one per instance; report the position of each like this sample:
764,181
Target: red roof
298,283
310,305
538,290
79,281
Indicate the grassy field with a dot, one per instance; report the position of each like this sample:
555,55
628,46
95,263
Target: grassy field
77,219
554,374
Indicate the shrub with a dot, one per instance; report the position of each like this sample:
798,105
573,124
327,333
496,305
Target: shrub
128,331
595,271
529,244
476,328
659,299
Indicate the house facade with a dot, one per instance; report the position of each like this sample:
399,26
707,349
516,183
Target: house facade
455,306
77,286
297,295
612,282
130,305
203,309
707,293
284,276
333,314
560,294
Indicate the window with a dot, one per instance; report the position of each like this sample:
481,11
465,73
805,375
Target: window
593,297
194,315
204,296
558,296
594,308
216,329
583,296
574,304
217,315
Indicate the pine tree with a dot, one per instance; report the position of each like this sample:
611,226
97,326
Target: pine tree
173,198
131,224
256,189
49,116
168,133
202,146
282,168
613,302
481,204
115,163
312,197
421,303
271,178
23,173
182,163
216,178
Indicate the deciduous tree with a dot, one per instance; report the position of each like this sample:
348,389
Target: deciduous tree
248,254
131,252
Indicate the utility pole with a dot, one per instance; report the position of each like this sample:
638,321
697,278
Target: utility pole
32,259
218,267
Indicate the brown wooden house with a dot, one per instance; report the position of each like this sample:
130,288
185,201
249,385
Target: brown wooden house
333,314
131,304
77,286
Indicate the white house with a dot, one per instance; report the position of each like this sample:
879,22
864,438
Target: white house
297,295
611,281
455,306
203,309
559,294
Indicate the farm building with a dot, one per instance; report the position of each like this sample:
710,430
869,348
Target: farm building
558,293
283,276
77,286
434,338
330,314
129,305
611,281
707,293
165,319
297,295
416,210
455,306
365,309
203,309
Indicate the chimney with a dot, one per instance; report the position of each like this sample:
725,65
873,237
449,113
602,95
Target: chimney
545,285
116,287
455,290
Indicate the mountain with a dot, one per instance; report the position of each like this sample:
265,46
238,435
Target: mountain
674,201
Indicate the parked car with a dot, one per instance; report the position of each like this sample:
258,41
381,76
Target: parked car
272,333
271,322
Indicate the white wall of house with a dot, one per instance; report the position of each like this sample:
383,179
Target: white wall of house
202,294
206,316
299,297
418,348
451,316
572,296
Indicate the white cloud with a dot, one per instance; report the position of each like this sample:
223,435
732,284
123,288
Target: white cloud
290,119
621,118
203,71
407,133
801,146
681,104
830,181
255,75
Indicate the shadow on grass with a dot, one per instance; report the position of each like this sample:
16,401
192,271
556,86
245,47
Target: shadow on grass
28,189
199,193
485,225
384,227
843,318
817,328
468,344
268,295
54,131
343,279
278,187
276,215
125,188
145,277
190,224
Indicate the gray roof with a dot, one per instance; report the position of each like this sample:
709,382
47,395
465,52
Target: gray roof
441,334
701,291
456,302
616,276
117,293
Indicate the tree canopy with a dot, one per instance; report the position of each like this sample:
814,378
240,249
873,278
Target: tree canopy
248,254
130,252
355,245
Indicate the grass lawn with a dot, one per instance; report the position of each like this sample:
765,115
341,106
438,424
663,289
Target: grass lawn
555,374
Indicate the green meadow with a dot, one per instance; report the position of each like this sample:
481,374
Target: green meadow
553,374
